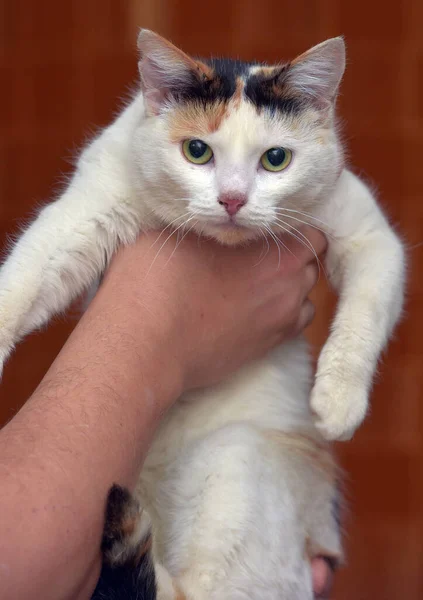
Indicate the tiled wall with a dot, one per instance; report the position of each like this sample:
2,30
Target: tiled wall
64,64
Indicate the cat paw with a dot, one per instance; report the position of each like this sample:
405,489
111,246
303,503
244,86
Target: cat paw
339,407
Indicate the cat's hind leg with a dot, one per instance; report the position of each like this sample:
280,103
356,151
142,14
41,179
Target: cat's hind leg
233,519
129,571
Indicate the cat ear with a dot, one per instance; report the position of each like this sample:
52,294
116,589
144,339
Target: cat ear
317,73
165,70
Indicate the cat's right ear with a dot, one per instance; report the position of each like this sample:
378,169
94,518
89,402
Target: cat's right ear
165,70
316,74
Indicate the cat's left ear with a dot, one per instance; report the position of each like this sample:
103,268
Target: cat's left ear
316,74
165,70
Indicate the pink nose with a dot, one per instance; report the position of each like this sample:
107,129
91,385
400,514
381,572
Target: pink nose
232,203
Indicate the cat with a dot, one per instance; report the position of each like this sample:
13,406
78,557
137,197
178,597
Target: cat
240,482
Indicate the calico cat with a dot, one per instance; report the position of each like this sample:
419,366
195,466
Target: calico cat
240,483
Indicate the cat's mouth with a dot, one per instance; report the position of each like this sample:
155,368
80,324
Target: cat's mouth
231,224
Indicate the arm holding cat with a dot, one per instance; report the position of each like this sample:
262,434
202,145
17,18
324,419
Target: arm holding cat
91,420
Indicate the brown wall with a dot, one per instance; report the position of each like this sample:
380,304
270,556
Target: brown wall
65,64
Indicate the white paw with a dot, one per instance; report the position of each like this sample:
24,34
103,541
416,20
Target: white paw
339,406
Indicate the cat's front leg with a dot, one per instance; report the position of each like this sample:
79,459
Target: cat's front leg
68,245
60,255
366,264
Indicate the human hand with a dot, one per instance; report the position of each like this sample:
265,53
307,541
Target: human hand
222,306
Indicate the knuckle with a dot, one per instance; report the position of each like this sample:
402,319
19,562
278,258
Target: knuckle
312,274
293,305
309,311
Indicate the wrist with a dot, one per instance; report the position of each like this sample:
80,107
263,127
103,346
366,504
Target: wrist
135,342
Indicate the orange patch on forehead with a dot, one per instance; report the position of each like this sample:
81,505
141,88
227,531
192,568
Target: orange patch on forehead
266,71
237,97
196,120
205,69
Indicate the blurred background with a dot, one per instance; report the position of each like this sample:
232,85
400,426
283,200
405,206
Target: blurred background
66,66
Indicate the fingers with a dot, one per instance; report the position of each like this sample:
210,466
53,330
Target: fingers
290,329
309,278
298,310
322,575
306,316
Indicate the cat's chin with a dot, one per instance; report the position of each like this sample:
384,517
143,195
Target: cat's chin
232,236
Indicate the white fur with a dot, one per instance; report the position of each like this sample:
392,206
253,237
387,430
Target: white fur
232,504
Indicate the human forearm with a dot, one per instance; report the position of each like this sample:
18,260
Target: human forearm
87,425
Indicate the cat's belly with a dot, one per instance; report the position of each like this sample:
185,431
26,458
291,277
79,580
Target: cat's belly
272,393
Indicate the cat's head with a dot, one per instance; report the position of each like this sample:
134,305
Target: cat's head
232,149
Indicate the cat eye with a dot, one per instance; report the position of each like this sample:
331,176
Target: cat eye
276,159
197,151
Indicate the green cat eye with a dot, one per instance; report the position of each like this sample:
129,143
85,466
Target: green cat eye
276,159
197,152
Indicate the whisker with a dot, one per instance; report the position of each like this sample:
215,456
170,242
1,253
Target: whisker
279,243
199,234
304,241
265,240
326,233
262,256
299,212
178,243
329,235
274,238
167,227
166,240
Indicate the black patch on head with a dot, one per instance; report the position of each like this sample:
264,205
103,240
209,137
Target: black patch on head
229,68
263,90
260,90
203,89
221,86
